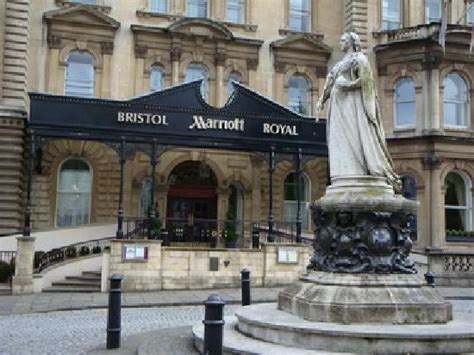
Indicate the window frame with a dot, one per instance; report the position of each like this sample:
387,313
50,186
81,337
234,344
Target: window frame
383,21
396,101
228,82
142,210
153,68
428,20
300,12
58,181
466,103
94,74
308,93
208,8
243,11
305,202
469,11
467,208
166,3
205,94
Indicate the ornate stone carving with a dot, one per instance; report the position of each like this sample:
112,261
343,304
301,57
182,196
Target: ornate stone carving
431,61
175,53
252,64
220,58
353,241
279,67
107,47
140,51
321,72
382,70
432,162
54,42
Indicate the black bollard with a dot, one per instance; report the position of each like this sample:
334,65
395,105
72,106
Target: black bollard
246,300
255,238
114,319
213,325
430,278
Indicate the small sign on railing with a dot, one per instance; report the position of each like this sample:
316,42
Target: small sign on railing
287,255
135,252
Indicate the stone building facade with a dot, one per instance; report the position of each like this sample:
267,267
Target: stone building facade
281,48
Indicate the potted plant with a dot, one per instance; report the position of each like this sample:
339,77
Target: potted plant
229,233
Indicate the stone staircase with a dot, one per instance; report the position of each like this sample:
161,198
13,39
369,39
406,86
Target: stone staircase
88,281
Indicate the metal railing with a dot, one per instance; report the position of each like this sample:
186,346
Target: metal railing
7,256
44,260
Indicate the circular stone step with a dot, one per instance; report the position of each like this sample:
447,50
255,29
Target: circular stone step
267,323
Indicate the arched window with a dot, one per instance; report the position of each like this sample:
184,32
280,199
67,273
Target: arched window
300,15
197,8
409,187
74,193
233,76
433,10
80,75
391,14
198,71
290,204
405,107
457,202
298,94
236,11
456,100
145,198
159,6
156,78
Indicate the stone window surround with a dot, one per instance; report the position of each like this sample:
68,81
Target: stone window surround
418,90
466,177
102,5
465,77
313,21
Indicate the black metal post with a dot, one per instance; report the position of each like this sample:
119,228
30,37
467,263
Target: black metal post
213,325
153,162
29,207
114,317
246,299
271,169
120,206
255,237
299,170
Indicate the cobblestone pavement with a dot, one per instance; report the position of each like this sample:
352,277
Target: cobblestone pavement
75,332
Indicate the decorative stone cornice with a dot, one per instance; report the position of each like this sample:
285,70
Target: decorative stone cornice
175,53
431,61
321,72
252,63
220,58
431,162
279,67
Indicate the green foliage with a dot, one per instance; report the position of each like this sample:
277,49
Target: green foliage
229,232
6,271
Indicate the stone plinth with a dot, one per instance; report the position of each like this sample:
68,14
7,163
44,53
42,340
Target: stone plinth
23,279
364,298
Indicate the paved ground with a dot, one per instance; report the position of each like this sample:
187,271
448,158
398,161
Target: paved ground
32,324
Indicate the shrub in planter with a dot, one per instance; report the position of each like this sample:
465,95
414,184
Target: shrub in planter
96,250
5,271
229,233
38,259
71,252
84,251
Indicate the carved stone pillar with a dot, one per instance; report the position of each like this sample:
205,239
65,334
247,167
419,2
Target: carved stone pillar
175,58
107,50
140,55
221,93
280,82
432,164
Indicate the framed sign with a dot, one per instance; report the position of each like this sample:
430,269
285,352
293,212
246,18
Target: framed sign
287,255
135,252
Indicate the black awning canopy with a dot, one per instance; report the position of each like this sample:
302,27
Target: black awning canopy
179,116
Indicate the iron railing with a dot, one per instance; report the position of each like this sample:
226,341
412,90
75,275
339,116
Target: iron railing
7,256
44,260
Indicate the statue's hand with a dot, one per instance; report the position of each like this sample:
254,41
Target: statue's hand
319,107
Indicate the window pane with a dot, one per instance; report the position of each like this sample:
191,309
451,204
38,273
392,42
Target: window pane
80,75
197,8
299,19
195,72
290,205
405,112
409,187
298,94
145,198
86,1
234,76
456,99
455,219
235,11
455,190
74,190
391,14
433,10
156,78
470,14
159,6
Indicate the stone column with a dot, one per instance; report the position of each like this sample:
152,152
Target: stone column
252,65
279,82
434,200
435,101
221,92
23,279
256,188
140,55
107,51
175,54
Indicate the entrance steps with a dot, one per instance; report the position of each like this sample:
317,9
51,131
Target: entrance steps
88,281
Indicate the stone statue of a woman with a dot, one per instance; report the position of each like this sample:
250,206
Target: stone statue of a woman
356,140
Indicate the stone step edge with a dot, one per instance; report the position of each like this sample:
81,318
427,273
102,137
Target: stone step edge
237,343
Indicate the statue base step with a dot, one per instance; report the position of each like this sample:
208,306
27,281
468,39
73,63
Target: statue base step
364,298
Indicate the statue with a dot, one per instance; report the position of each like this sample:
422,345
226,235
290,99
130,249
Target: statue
356,140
